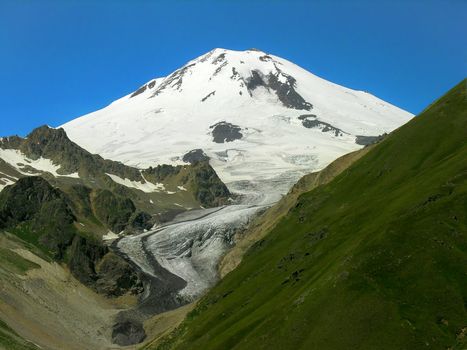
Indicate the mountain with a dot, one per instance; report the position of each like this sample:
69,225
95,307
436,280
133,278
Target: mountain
374,259
49,152
262,120
61,207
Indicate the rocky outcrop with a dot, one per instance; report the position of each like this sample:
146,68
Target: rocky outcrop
199,178
28,206
195,156
109,181
55,145
225,132
281,83
208,188
113,210
369,140
47,218
311,121
116,277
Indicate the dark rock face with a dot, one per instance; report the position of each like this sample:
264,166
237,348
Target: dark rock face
25,199
265,58
115,277
225,132
113,210
143,88
45,217
235,74
210,191
84,254
139,91
174,80
195,156
207,96
255,81
108,274
285,91
140,221
161,172
128,332
219,59
310,121
369,140
29,205
221,66
200,178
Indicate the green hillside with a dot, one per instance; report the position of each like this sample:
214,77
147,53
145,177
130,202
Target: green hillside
376,259
9,340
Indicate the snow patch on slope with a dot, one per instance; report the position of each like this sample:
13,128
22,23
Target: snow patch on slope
31,167
147,187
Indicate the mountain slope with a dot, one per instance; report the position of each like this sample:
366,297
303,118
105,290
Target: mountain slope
9,340
264,223
257,116
376,259
62,206
50,153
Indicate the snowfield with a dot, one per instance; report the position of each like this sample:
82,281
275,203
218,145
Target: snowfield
266,100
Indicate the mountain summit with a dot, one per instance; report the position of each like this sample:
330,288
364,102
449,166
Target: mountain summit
256,116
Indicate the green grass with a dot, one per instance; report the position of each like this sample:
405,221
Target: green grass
376,259
15,263
25,233
9,340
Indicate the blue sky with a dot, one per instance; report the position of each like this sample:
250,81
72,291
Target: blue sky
60,59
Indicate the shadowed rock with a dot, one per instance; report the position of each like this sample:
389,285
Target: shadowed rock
310,121
194,156
369,140
225,132
128,333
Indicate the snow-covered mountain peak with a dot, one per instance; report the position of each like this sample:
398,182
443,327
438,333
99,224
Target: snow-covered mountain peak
257,116
228,76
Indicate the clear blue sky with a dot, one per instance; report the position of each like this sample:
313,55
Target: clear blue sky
60,59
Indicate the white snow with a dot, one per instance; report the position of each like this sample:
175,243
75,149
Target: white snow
161,124
147,187
19,161
5,181
110,236
191,245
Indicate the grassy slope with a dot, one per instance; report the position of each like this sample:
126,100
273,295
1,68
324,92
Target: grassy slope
12,263
264,223
376,259
9,340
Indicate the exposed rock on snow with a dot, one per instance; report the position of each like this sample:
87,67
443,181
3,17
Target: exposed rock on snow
261,96
225,132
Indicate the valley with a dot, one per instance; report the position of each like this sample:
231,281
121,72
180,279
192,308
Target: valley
116,232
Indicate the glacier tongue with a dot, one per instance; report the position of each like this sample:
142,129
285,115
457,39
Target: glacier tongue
190,247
